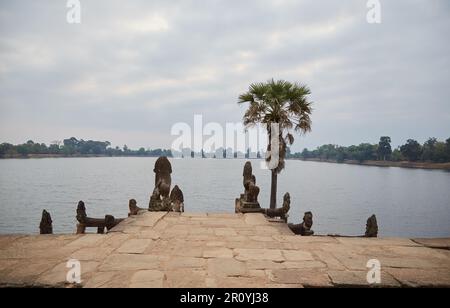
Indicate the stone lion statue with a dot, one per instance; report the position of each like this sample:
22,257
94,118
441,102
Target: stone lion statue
305,227
163,179
177,198
251,190
160,200
283,211
134,209
81,212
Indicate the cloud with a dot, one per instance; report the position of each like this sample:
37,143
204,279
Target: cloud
152,23
133,69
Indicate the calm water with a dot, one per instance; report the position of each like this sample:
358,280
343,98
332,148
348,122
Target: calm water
410,203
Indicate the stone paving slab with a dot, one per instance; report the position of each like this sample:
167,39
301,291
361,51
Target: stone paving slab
440,243
154,250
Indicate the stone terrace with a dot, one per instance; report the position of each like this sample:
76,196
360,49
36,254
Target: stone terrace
218,250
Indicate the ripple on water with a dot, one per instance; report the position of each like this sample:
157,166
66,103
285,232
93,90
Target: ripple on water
409,203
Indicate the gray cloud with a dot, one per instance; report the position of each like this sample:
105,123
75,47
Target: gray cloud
132,69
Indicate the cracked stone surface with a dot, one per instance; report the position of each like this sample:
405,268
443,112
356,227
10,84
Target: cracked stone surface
156,250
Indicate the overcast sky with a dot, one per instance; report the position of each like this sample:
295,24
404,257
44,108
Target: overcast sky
132,69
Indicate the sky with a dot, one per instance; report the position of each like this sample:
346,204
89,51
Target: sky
132,69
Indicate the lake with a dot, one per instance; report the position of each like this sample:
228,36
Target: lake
407,202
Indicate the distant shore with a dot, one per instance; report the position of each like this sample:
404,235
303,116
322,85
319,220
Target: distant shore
378,163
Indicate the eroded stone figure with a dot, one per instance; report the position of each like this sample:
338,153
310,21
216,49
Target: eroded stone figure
283,211
371,227
46,226
110,222
251,190
134,209
81,212
305,227
160,199
248,201
159,202
82,218
163,179
100,223
177,198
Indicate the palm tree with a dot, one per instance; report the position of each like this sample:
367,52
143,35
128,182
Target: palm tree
279,102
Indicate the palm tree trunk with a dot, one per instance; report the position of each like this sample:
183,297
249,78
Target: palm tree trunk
273,190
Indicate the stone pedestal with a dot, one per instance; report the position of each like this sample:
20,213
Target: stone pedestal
242,206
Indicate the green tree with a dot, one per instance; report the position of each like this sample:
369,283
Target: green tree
340,157
54,149
306,153
70,146
412,150
327,151
447,148
157,152
7,149
384,148
365,151
397,155
141,152
440,153
428,150
285,104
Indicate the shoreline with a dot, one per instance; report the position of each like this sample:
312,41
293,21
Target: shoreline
372,163
376,163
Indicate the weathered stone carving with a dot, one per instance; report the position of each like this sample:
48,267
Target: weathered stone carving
305,227
134,209
84,221
160,200
177,198
248,201
251,190
46,226
163,179
371,227
111,222
281,212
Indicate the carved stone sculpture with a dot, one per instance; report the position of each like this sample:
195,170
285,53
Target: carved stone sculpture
305,227
177,198
134,209
160,200
248,201
163,179
110,222
281,212
46,226
251,190
371,227
100,223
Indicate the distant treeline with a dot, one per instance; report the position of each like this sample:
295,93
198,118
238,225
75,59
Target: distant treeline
75,147
431,151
